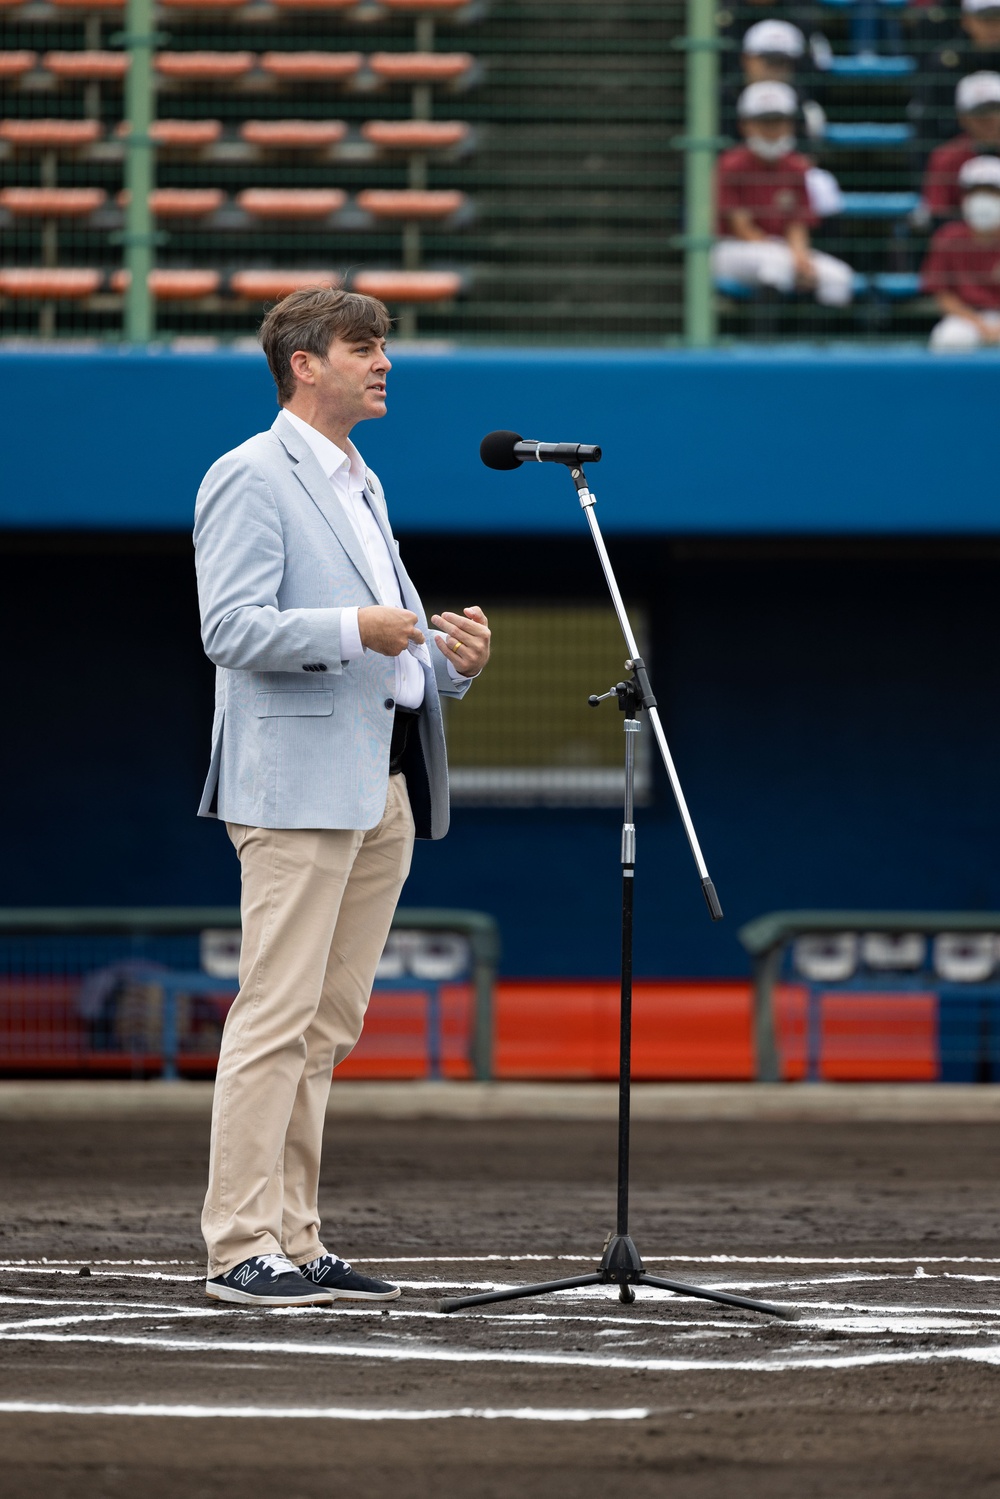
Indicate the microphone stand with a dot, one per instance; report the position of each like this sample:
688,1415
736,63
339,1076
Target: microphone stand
620,1263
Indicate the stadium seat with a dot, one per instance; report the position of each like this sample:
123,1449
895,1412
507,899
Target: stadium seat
898,286
427,5
870,134
879,205
871,65
49,283
90,65
181,202
50,133
415,135
284,134
738,291
409,203
408,286
16,64
204,66
201,4
184,132
173,285
421,67
314,4
291,202
89,4
271,286
52,202
312,67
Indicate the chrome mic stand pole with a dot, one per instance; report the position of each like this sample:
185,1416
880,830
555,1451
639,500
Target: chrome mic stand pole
621,1264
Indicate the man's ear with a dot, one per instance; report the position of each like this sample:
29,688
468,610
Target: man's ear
301,367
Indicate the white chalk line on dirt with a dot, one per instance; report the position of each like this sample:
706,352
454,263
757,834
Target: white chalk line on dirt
322,1413
486,1259
775,1363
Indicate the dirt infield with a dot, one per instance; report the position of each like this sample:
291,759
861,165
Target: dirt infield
127,1381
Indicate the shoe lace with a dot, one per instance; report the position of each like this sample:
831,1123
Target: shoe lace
278,1264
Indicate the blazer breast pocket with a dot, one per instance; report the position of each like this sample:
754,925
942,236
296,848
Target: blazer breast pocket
293,704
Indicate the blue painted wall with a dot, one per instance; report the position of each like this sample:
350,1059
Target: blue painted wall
833,706
702,445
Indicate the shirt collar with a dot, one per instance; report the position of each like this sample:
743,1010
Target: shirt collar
331,458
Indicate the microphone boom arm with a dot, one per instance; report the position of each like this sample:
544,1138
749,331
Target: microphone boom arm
637,665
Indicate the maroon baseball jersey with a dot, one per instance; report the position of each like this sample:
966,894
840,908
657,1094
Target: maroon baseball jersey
965,265
773,193
940,190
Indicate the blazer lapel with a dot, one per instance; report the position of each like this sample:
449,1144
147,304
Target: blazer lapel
319,489
406,587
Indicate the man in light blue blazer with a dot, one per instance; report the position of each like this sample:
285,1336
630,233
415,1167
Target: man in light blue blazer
328,757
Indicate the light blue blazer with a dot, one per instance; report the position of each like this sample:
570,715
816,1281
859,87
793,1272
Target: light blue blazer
300,737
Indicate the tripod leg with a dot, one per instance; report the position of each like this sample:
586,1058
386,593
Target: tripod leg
455,1303
787,1313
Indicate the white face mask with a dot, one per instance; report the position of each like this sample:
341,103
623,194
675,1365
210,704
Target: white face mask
771,150
981,211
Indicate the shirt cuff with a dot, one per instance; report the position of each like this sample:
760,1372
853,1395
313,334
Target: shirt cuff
351,648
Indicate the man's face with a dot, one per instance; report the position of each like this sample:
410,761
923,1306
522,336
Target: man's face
350,382
983,125
760,69
771,127
984,27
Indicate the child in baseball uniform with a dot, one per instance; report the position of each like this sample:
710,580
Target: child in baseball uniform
962,269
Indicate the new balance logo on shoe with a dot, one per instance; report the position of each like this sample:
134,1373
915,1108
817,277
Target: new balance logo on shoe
245,1274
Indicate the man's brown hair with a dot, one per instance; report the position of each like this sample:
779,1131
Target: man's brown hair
310,319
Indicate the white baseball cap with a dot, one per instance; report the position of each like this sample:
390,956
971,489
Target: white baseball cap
974,5
977,90
980,171
778,37
768,98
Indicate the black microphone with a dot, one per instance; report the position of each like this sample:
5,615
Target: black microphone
506,450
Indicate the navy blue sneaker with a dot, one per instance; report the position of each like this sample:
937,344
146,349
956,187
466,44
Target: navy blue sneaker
345,1284
268,1280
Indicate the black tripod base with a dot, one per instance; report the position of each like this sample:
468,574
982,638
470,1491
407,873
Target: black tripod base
619,1266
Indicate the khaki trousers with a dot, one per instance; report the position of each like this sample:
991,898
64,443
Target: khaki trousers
317,905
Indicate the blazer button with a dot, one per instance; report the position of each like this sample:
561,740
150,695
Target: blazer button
390,702
321,666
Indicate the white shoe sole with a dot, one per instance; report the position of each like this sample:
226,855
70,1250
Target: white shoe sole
247,1298
365,1295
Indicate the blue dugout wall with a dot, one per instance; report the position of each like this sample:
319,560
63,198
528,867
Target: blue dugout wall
814,539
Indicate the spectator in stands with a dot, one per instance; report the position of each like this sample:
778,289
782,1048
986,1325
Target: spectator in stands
977,102
977,51
764,209
962,269
773,50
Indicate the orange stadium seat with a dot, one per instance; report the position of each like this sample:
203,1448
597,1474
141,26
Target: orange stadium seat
53,283
52,202
291,202
415,135
91,65
306,67
89,4
300,133
271,286
50,133
205,66
172,285
10,4
410,203
430,5
181,202
16,64
202,4
185,132
408,286
421,67
314,4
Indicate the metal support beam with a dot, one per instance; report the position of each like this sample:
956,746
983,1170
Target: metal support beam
138,238
701,144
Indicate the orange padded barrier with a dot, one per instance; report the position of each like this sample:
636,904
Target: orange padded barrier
53,284
396,1041
291,202
16,64
408,286
409,203
421,67
173,286
220,66
87,64
306,67
51,133
271,286
52,202
879,1036
414,135
284,133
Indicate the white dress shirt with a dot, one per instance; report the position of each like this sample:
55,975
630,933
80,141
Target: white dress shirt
347,473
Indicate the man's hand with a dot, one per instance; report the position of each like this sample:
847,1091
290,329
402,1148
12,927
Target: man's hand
805,271
466,641
388,631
